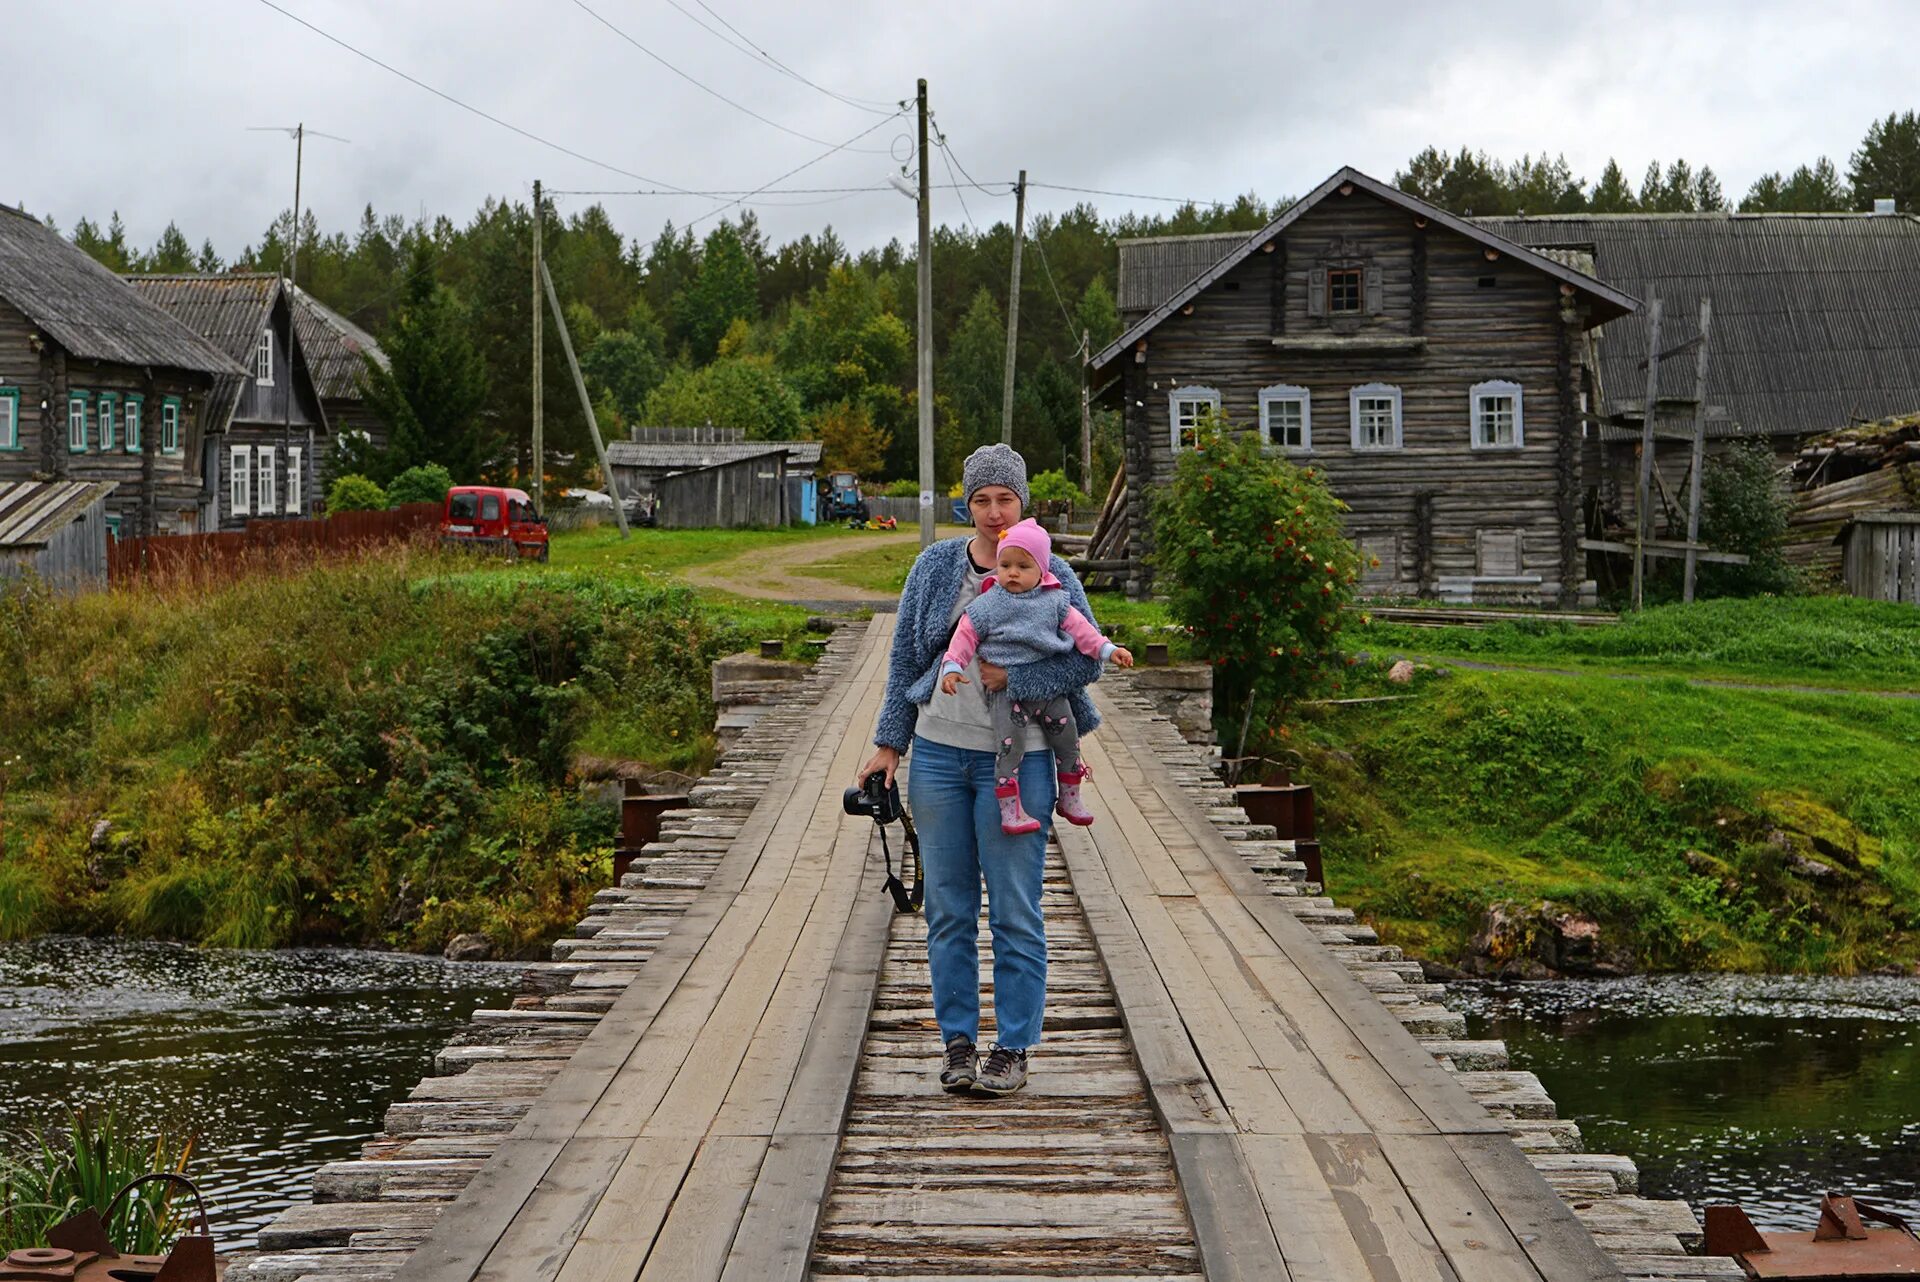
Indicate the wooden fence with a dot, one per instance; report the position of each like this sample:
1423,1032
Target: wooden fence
266,543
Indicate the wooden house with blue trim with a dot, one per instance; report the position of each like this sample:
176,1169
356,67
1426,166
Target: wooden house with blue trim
1434,370
98,384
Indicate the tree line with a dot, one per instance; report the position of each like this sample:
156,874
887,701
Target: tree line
811,338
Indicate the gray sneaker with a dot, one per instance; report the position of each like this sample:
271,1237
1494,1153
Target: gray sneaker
961,1068
1004,1072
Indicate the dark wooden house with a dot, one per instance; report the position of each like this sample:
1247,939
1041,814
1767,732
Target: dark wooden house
337,352
55,532
1816,327
1431,368
268,460
98,384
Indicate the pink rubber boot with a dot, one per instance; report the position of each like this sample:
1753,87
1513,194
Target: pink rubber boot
1014,820
1070,807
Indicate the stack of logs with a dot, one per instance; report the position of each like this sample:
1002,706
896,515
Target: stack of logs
1105,562
1871,468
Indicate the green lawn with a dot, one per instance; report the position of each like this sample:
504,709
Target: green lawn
670,551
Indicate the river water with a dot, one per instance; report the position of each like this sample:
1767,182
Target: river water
277,1061
1761,1090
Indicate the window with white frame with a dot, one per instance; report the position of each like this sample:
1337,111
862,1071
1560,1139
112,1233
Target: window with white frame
296,477
240,480
77,423
1186,407
9,418
1498,421
263,494
170,426
136,410
107,406
1375,412
1286,417
263,359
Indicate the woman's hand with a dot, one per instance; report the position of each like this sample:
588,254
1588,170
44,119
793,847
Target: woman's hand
885,760
993,676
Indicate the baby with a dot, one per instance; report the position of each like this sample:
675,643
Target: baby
1021,615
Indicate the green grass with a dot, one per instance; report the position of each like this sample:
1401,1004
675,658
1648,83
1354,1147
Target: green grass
1675,814
1839,642
671,551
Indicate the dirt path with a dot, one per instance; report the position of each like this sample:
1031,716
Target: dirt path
780,574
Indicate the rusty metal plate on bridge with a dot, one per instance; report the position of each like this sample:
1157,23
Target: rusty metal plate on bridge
1840,1249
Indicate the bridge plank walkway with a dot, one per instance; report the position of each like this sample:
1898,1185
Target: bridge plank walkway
1221,1093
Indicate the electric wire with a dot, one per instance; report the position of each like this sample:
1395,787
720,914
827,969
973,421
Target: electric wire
1040,248
831,151
741,43
1129,195
702,86
464,106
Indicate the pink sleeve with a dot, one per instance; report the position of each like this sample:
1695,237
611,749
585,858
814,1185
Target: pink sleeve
1086,637
965,641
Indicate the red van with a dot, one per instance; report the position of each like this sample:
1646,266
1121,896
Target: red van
493,516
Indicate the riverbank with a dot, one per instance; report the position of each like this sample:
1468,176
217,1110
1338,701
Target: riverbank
376,752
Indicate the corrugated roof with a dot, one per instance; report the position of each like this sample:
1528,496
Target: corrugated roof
87,309
333,346
228,310
1816,317
640,454
32,512
1606,301
1153,267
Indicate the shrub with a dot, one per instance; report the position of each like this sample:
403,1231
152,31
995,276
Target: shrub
1052,486
901,490
1252,555
355,493
1744,508
427,483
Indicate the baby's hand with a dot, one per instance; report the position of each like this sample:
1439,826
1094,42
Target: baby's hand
1123,656
951,681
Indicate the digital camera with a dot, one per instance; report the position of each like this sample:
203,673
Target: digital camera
875,798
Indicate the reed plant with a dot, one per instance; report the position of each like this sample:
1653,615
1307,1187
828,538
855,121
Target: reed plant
58,1173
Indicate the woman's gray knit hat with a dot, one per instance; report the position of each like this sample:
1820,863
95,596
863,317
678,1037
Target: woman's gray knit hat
995,464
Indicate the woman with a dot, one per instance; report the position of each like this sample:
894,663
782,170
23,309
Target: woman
951,790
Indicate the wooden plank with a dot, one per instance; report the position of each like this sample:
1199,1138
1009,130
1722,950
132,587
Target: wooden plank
1306,1218
699,1231
1235,1238
1558,1243
626,1219
775,1239
537,1242
1465,1224
1385,1224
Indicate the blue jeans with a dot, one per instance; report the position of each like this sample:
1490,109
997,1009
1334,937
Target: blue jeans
950,791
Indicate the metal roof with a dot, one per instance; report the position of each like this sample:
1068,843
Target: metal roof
87,309
1153,268
675,457
228,310
1816,317
333,346
1609,301
32,512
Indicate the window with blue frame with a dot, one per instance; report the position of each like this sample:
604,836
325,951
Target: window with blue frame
77,422
113,528
136,410
109,402
9,418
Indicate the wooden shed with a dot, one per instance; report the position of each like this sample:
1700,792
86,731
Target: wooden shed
56,532
747,491
1881,557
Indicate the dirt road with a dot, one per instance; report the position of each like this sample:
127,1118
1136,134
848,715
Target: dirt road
780,574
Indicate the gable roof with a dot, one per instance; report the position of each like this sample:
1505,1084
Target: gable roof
229,310
87,309
32,512
1609,302
333,346
677,456
1816,317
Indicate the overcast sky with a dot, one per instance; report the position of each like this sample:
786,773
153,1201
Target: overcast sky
143,105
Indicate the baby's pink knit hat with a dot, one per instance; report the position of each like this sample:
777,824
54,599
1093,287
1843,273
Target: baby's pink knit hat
1030,537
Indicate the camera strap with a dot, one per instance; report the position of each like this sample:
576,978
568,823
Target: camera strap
906,898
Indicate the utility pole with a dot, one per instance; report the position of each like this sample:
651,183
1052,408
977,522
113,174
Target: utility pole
925,322
586,402
1642,491
1699,446
1013,308
539,380
1086,411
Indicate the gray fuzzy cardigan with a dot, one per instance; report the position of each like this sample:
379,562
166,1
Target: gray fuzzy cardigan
921,635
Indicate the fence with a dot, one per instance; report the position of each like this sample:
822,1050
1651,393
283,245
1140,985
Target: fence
228,552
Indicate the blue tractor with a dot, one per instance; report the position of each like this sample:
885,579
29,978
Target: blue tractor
843,501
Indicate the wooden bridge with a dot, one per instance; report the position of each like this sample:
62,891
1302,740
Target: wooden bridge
727,1073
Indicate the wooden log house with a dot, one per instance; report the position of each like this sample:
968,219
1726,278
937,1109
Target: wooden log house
98,384
337,351
268,463
1430,367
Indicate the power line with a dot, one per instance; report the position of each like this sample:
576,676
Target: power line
797,168
1040,248
1128,195
464,106
702,86
946,158
760,56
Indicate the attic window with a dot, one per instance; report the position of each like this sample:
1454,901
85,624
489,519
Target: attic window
263,359
1345,291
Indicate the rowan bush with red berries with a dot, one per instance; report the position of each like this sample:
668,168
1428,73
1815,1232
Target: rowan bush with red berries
1250,553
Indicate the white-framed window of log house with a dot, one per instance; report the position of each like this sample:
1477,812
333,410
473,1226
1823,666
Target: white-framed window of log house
264,500
296,478
240,480
1286,417
1374,411
10,419
76,422
1499,422
263,359
1186,406
109,404
136,412
170,425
